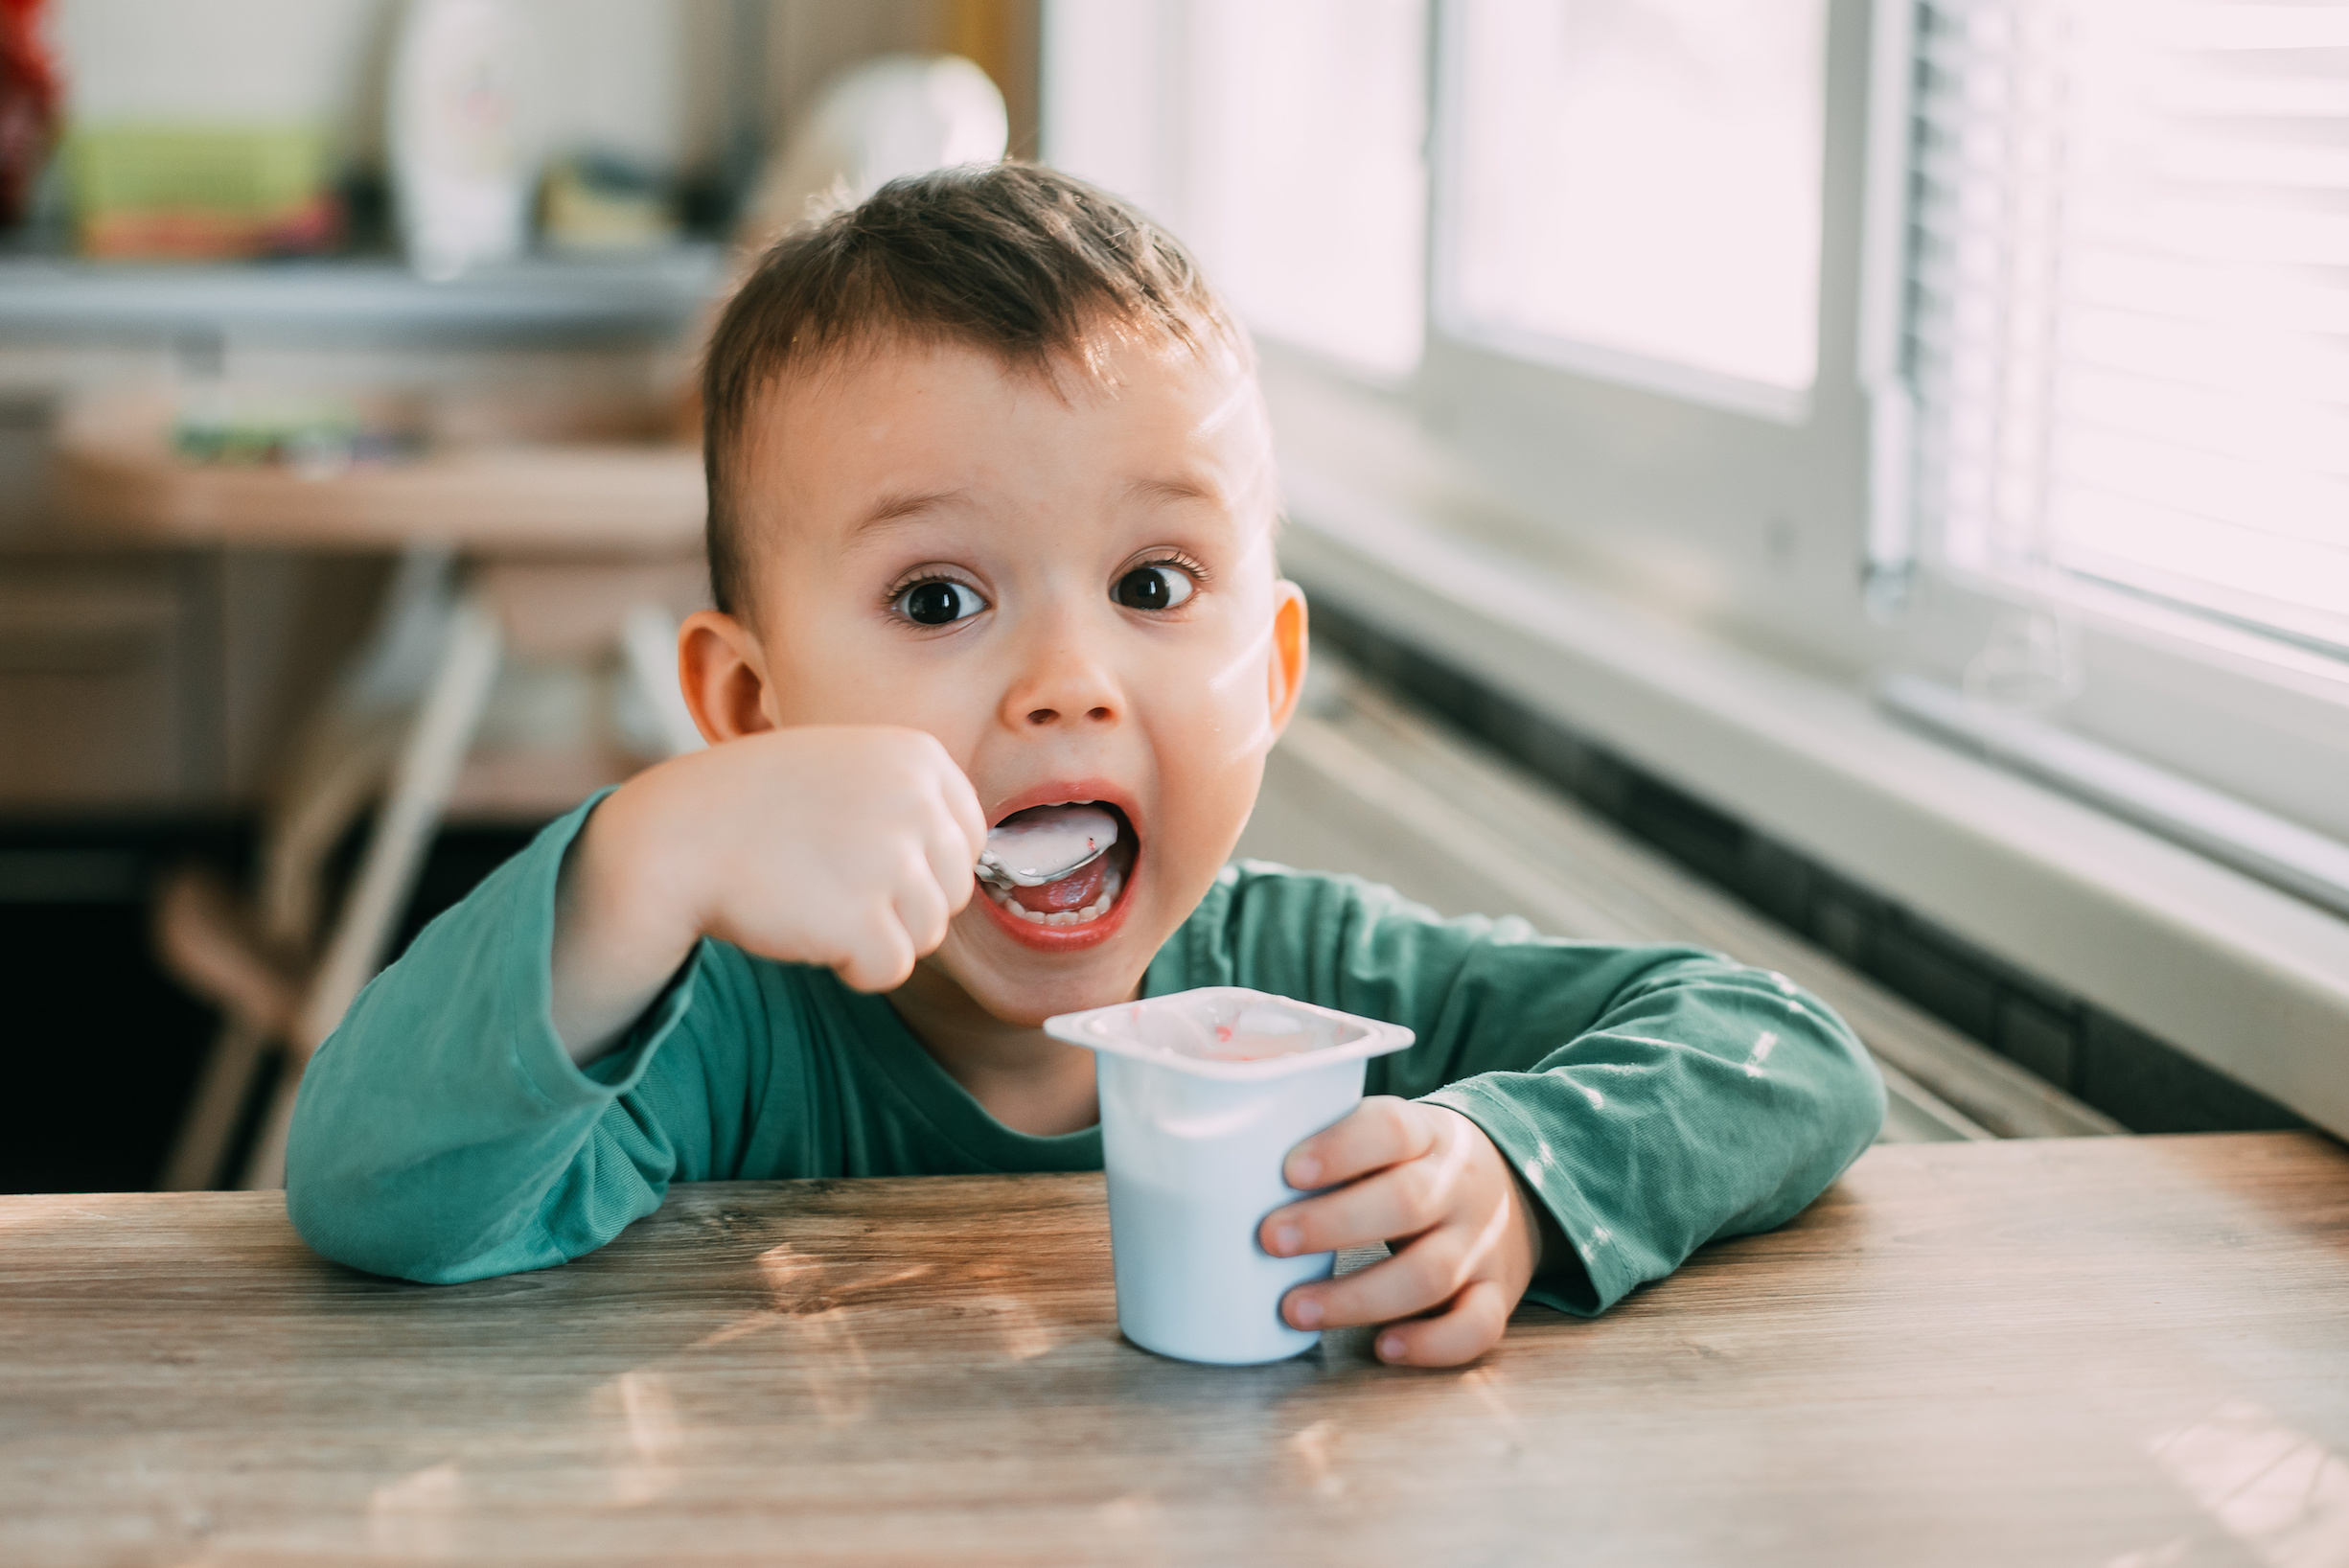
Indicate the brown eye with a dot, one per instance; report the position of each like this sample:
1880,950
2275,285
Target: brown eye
1153,587
938,602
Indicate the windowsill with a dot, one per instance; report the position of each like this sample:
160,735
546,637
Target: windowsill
2247,979
1623,367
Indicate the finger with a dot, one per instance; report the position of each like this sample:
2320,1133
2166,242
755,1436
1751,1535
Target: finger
1377,1134
950,861
921,909
1400,1201
1427,1273
962,805
1474,1325
879,958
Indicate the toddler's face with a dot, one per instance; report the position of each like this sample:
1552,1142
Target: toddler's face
1073,589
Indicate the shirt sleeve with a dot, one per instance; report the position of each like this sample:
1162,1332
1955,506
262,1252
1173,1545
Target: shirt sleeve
1653,1097
443,1133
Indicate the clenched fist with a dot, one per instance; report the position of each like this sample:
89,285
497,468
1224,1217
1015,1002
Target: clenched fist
848,846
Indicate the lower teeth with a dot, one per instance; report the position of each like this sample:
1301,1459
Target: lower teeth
1099,907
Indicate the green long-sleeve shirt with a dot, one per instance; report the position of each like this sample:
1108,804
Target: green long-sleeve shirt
1654,1097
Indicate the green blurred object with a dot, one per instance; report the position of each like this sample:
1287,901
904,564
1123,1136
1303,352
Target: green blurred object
201,193
599,202
316,436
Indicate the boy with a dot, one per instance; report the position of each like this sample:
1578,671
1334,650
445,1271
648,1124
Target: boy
991,524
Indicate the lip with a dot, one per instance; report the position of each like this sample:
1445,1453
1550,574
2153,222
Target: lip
1067,938
1054,792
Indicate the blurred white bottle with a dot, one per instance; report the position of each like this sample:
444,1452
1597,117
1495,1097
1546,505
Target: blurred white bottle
461,170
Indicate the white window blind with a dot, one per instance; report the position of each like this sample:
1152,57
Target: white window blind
2128,322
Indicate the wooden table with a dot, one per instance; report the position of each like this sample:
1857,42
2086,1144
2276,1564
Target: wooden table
2116,1351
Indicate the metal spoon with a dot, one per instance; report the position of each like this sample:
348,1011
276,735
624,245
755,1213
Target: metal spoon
1041,846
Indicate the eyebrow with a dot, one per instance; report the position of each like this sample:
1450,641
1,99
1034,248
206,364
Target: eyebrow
904,508
1175,489
891,510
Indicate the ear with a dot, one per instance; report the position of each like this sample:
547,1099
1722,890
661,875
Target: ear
1285,671
723,671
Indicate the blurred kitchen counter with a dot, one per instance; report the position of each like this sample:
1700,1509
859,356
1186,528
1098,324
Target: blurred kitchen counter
358,300
161,671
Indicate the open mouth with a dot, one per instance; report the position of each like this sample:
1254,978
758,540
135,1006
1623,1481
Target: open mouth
1086,895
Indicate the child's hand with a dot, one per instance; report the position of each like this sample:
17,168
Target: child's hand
1467,1239
848,846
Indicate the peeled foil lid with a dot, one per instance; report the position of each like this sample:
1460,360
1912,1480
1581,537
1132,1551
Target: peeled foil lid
1256,1032
1229,1032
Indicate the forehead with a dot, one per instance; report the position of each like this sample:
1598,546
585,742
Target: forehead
889,410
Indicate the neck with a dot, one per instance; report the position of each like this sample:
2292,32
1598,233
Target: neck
1027,1081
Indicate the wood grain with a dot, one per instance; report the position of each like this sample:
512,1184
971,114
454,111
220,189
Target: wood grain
2097,1350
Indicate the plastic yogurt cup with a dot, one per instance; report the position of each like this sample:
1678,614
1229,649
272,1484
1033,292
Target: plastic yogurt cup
1203,1095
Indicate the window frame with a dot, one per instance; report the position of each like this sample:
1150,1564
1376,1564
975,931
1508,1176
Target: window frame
1654,465
1447,21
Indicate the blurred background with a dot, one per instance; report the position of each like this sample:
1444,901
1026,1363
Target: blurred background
1864,484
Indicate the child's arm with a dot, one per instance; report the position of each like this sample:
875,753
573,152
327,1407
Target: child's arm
448,1130
848,847
1640,1100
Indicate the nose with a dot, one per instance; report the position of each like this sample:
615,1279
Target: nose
1064,683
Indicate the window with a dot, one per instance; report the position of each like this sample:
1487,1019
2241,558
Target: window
2033,312
1639,178
2129,270
1309,193
1291,157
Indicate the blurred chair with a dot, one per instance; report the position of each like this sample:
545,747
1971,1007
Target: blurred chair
552,550
511,556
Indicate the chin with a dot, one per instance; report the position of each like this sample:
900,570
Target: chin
1023,971
1024,975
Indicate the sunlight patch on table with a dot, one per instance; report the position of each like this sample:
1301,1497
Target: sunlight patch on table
415,1516
1025,1333
642,1403
1316,1449
1485,1385
2280,1492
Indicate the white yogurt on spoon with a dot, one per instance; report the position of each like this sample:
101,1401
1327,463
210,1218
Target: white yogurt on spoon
1045,844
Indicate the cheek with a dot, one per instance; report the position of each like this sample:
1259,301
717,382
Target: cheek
844,673
1232,704
1210,723
1208,783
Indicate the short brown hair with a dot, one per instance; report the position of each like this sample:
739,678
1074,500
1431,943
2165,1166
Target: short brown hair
1030,264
